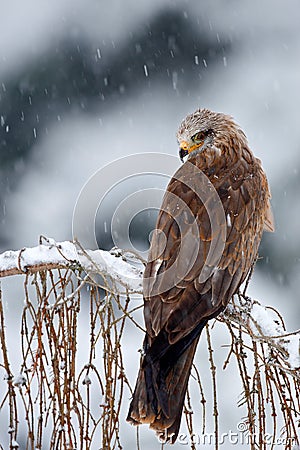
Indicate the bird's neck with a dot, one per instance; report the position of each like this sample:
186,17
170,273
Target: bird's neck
215,161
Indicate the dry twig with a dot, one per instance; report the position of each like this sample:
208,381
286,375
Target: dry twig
66,399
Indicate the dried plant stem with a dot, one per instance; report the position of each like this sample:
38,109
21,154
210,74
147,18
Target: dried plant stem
10,395
72,385
213,370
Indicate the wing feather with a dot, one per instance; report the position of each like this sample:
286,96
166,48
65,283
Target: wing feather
178,299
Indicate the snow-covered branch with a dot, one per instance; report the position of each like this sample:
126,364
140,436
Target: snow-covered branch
266,356
54,255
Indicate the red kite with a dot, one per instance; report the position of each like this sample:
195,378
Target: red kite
208,231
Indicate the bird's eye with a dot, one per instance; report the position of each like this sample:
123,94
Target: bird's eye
201,135
198,137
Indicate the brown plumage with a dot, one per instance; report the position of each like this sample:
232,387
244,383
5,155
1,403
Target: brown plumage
217,200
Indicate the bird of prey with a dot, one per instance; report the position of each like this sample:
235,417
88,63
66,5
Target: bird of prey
207,235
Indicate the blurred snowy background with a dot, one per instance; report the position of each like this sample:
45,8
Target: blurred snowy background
83,82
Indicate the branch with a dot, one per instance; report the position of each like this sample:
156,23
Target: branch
125,270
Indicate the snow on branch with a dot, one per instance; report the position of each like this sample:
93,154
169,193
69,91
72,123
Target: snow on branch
55,255
265,355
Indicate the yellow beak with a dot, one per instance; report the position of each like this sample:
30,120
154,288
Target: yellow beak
184,146
189,148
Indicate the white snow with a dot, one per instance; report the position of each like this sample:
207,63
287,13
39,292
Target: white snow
20,380
293,348
265,324
265,321
66,253
146,70
87,380
41,254
115,267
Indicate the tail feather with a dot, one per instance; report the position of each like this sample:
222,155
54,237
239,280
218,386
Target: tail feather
161,386
167,428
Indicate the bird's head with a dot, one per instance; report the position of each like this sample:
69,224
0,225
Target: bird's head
206,129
